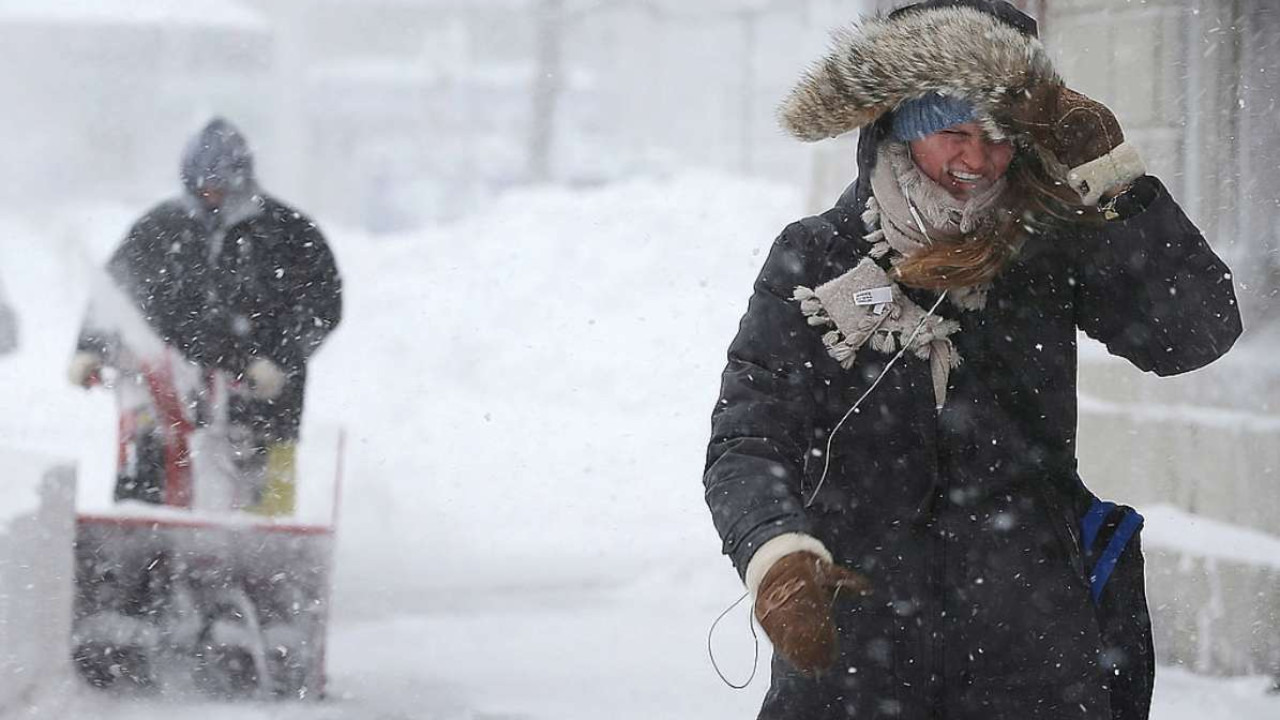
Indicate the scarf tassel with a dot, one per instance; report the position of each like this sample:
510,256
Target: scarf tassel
871,216
885,341
932,342
812,308
843,353
841,348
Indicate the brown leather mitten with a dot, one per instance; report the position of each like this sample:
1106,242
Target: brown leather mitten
1082,135
793,605
1073,128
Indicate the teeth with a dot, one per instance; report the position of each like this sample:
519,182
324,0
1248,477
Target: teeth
967,177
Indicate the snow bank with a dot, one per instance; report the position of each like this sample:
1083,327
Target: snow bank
1181,695
527,392
36,533
46,271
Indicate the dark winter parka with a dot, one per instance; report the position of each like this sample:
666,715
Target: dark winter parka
965,519
254,280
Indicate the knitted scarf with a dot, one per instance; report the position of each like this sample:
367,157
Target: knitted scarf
864,305
900,185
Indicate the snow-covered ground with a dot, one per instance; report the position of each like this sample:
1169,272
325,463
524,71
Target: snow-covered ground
526,397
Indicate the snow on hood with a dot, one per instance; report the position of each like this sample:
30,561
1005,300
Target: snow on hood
219,155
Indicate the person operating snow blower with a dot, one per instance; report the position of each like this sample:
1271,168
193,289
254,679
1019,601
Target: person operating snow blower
242,289
892,466
203,324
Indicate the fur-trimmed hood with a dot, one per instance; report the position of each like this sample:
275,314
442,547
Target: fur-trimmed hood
952,48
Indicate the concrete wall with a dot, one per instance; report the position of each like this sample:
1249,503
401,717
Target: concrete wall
1214,616
1196,85
1214,589
1186,441
1207,443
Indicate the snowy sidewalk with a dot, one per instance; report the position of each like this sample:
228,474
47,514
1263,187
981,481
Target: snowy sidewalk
578,653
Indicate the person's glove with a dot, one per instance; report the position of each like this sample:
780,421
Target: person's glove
1082,135
85,369
793,605
266,379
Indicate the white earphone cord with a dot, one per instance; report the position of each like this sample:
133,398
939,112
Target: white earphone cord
826,466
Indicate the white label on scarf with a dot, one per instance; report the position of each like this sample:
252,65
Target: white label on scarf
874,296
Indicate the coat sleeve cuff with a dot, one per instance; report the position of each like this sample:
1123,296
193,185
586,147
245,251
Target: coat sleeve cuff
1097,177
776,549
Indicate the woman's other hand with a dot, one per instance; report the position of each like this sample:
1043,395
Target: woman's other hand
793,605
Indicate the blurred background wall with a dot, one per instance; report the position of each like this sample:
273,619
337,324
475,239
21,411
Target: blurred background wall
1195,84
389,114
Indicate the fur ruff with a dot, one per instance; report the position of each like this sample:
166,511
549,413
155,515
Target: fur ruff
956,51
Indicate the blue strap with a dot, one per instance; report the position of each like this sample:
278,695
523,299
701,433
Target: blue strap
1092,523
1107,563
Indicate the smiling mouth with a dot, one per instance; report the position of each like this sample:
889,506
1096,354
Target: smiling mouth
964,177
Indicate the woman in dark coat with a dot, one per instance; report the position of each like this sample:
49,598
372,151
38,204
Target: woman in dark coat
892,465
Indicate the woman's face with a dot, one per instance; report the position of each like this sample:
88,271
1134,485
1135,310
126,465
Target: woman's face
961,159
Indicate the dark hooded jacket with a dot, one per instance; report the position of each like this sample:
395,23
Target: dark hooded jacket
251,279
965,518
